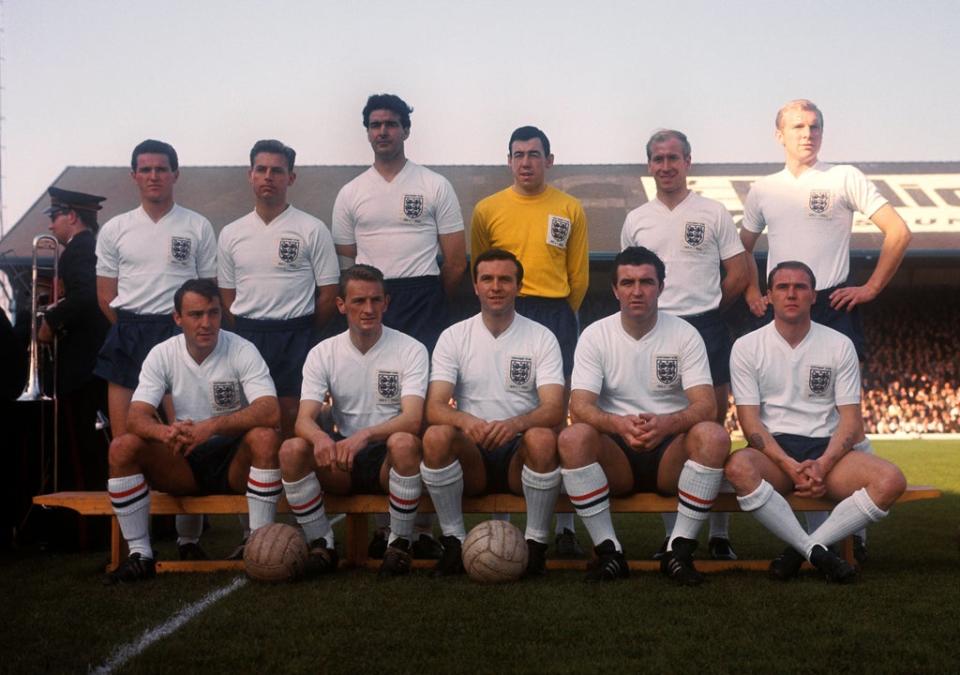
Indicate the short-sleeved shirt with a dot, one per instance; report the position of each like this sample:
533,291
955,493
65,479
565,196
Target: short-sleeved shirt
366,388
809,217
692,240
798,389
649,375
229,379
150,261
396,224
276,267
548,234
496,378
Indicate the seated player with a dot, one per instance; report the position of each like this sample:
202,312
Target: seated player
643,406
377,378
797,388
505,373
224,439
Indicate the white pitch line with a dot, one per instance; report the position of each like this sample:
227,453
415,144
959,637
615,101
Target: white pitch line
128,651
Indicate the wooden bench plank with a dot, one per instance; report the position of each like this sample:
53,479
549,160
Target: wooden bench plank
358,507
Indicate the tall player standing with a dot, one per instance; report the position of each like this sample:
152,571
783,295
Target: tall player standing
398,216
807,211
695,237
143,257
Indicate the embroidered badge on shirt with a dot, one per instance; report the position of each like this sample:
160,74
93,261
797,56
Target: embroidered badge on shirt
819,201
693,234
820,379
288,250
226,396
413,206
180,249
558,231
388,386
668,370
520,377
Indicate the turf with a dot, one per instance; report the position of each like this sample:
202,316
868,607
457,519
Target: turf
900,617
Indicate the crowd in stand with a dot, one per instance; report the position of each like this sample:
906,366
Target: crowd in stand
912,371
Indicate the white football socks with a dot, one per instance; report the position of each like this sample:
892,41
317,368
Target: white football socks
847,517
696,491
540,490
404,499
264,488
130,497
306,502
772,510
590,495
445,486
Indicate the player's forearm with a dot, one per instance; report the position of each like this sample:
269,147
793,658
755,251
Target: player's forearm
404,422
760,439
894,247
443,413
148,427
545,415
264,412
682,421
451,274
104,297
736,281
604,422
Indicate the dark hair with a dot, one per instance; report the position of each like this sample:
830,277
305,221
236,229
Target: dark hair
529,133
497,254
152,147
662,135
273,147
390,102
792,265
638,255
360,272
205,287
88,218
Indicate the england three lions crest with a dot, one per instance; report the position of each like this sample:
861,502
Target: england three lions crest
693,234
558,231
819,201
413,206
668,370
521,373
288,250
388,386
820,379
180,249
226,396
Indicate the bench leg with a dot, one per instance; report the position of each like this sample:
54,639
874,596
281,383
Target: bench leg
848,551
115,542
356,539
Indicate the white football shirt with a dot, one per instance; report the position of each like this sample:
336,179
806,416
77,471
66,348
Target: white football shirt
366,388
276,268
395,224
692,240
649,375
150,261
229,379
496,378
798,389
809,217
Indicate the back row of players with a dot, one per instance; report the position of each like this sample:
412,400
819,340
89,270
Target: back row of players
278,277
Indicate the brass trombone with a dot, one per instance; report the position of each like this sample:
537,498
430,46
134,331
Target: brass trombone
34,389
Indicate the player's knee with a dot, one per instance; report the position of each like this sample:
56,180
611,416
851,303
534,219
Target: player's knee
124,450
264,444
574,443
891,483
295,453
711,443
437,445
739,470
540,446
404,449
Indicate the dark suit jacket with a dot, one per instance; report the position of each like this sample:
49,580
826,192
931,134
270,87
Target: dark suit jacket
77,319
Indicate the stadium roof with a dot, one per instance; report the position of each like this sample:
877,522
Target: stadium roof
927,195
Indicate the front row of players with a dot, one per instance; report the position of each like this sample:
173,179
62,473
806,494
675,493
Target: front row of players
642,405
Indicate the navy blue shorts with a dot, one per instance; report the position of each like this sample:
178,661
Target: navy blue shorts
128,342
802,448
643,465
210,463
365,475
418,308
717,340
555,314
497,465
842,321
284,345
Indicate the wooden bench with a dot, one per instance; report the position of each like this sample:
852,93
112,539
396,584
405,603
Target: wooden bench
358,507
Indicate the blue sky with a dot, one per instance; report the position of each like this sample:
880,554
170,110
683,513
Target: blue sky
84,81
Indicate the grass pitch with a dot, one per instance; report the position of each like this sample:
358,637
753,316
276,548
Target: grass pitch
901,616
